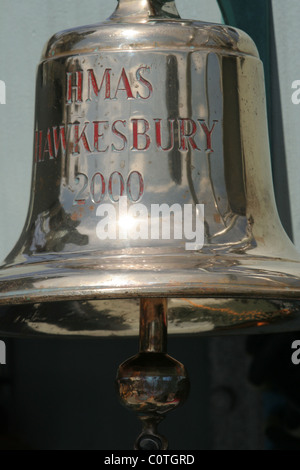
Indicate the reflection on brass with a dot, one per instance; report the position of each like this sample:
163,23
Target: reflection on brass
115,318
150,109
152,383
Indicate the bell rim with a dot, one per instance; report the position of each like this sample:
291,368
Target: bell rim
203,276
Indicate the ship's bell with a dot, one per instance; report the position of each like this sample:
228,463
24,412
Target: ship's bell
151,179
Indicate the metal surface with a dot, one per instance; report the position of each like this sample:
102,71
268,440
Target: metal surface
152,383
158,110
121,317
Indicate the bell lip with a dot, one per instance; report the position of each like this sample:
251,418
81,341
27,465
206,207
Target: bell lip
157,34
205,276
120,318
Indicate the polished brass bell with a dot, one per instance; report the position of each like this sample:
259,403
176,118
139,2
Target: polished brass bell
151,179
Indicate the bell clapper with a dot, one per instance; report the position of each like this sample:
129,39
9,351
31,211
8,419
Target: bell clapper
152,383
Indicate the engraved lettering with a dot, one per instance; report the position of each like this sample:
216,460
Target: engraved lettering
74,88
82,137
59,138
158,138
123,78
145,82
98,136
104,136
86,85
48,146
116,179
119,134
137,132
82,194
188,129
208,134
97,188
92,83
135,175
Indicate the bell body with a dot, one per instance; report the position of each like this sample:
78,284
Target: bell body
151,177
